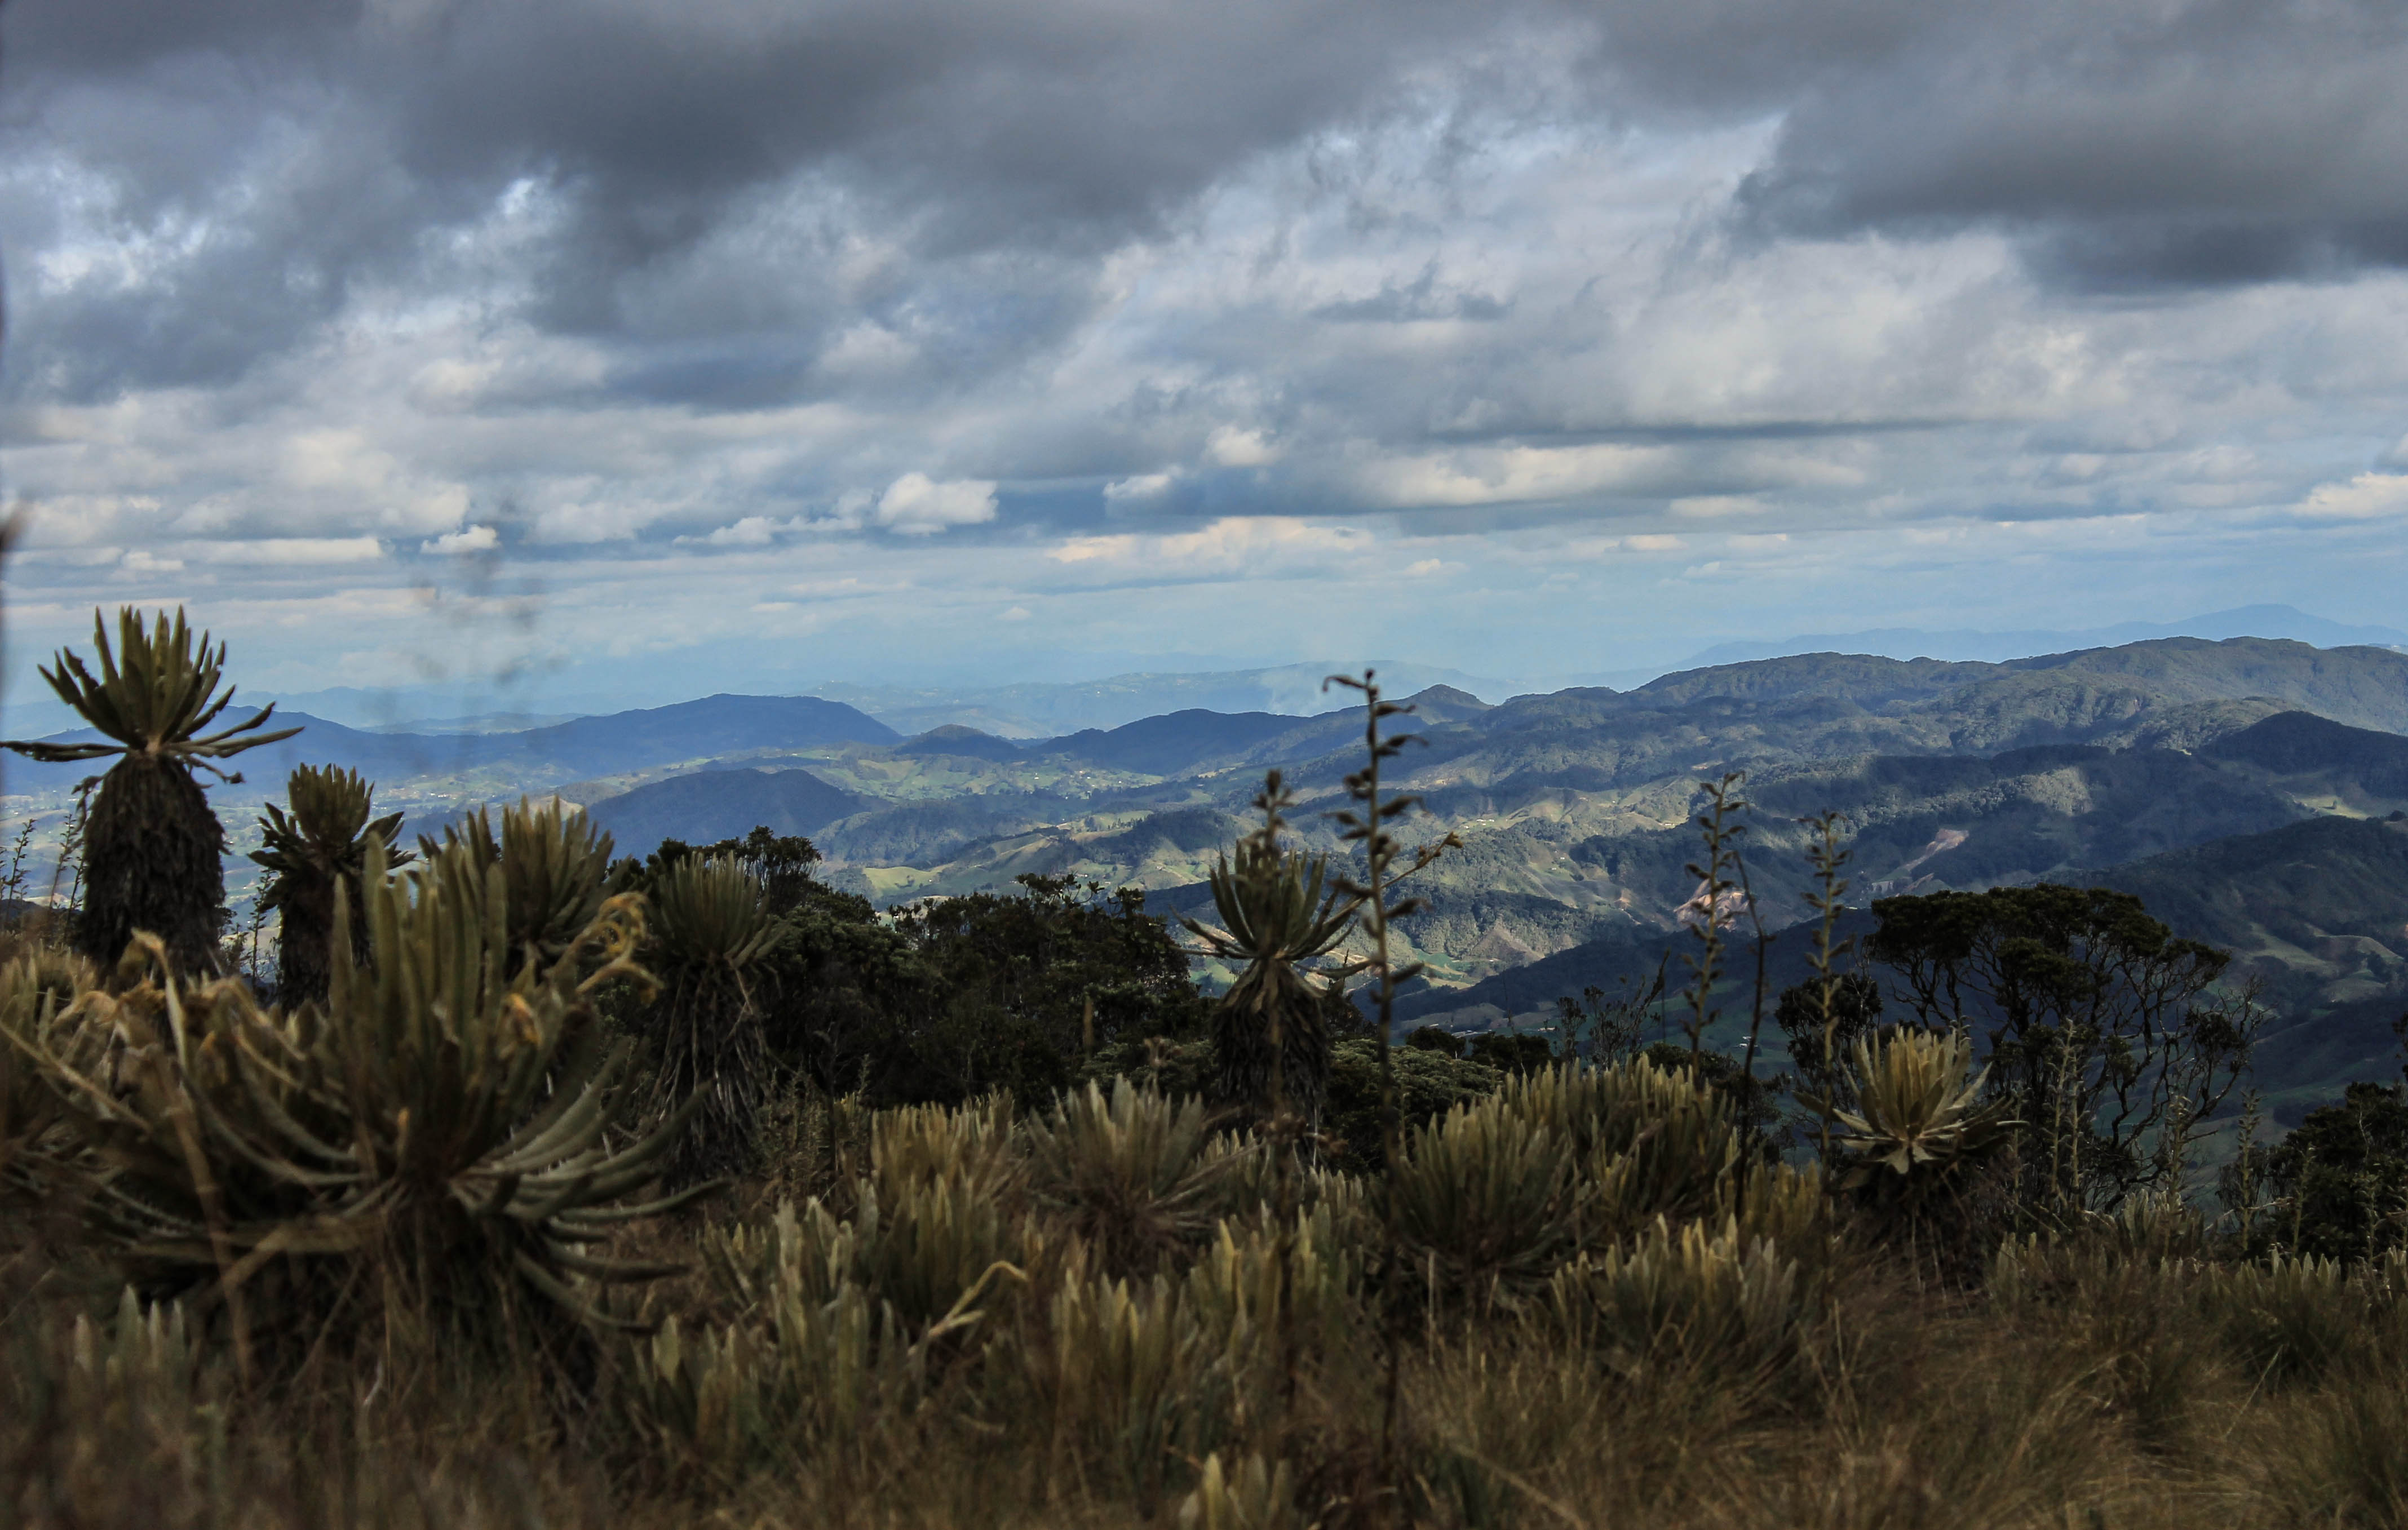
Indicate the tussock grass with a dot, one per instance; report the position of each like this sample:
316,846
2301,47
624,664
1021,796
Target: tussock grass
961,1334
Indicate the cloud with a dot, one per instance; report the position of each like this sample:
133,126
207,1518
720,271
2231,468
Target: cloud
1272,545
467,539
1508,475
2365,497
1287,288
1139,489
753,530
916,505
289,552
2129,144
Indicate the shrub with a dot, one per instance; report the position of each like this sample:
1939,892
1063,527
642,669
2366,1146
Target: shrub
806,1367
1608,1109
920,1246
1482,1197
1427,1086
554,865
1683,1166
1687,1299
1237,1282
1010,988
2344,1174
1251,1495
1646,1142
977,1143
1126,1378
1789,1209
1914,1151
1280,911
433,1144
2291,1318
36,1144
1129,1171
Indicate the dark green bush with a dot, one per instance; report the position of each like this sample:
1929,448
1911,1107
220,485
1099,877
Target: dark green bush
1428,1084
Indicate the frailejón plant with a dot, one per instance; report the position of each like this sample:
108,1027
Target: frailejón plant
320,845
152,846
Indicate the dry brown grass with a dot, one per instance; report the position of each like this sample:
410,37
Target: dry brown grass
2096,1384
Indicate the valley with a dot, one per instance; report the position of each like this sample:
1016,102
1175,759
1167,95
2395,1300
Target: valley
2235,785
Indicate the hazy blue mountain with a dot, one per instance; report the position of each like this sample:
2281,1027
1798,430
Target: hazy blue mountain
1179,742
381,757
967,743
400,706
1993,647
1051,710
1832,705
36,713
712,727
481,722
713,805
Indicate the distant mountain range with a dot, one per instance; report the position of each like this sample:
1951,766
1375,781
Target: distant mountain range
1035,711
691,732
1051,710
1997,647
2242,785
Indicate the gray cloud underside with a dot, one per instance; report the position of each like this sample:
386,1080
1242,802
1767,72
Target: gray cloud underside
711,166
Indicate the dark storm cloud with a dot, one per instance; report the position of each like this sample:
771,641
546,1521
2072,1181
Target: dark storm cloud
705,171
314,146
2129,144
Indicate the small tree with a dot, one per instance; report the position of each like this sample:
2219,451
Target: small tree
2342,1177
2096,1025
1823,1020
782,863
1717,903
1603,1027
436,1147
153,847
318,846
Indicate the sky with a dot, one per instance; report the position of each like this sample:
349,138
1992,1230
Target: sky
616,346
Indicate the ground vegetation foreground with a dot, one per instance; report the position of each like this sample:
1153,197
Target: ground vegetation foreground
524,1182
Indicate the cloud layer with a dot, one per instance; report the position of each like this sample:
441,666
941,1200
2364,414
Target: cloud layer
1521,335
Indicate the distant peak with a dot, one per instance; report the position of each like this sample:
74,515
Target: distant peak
1447,695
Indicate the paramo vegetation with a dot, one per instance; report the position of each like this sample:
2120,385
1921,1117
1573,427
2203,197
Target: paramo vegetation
535,1183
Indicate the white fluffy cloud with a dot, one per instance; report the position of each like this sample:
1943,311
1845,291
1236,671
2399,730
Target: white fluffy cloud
2362,498
916,505
467,539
